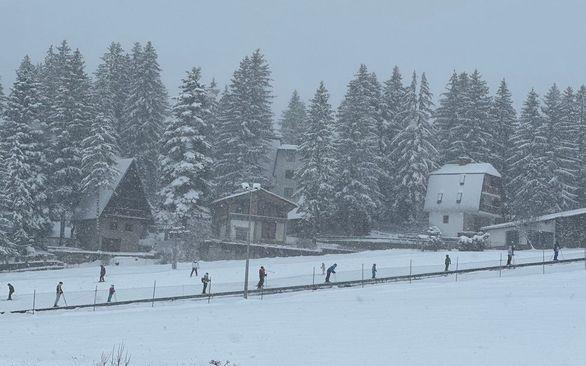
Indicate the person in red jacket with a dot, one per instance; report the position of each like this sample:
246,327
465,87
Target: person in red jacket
262,273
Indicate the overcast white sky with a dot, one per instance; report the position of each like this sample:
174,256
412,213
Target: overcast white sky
530,43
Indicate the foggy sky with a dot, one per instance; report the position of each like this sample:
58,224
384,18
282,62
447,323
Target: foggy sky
530,43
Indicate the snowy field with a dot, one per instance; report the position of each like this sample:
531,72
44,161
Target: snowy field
521,318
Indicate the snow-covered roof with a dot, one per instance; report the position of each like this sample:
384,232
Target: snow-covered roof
288,147
86,209
470,168
237,194
548,217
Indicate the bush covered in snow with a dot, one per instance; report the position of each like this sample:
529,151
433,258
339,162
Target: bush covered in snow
476,243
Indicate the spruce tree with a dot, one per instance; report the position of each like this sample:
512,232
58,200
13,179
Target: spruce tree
24,208
414,152
358,156
292,120
145,113
504,120
245,122
532,176
111,84
186,153
447,116
315,177
2,100
580,111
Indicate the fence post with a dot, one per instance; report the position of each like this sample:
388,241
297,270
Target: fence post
501,265
410,269
313,280
95,297
362,275
457,266
154,288
34,299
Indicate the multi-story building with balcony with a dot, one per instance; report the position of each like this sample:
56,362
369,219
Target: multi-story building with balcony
462,197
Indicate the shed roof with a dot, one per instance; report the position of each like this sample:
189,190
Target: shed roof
548,217
86,208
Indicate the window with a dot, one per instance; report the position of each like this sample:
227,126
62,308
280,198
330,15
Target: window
459,197
440,196
269,230
462,179
289,174
241,233
113,226
128,227
288,192
446,219
290,156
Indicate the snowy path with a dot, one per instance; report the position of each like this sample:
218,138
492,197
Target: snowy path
523,318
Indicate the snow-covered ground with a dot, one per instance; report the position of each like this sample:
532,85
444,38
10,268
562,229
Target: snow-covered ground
522,318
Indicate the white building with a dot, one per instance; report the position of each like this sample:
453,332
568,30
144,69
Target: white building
540,232
463,197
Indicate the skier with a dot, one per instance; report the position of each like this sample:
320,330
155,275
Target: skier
330,270
59,293
194,267
323,269
556,250
205,280
510,255
102,273
374,271
10,291
111,293
262,273
448,261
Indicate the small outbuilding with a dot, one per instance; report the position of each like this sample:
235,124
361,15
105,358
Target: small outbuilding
567,227
116,218
268,218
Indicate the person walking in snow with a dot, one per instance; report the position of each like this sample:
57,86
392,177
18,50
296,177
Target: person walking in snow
510,255
59,293
194,268
10,291
205,280
374,271
329,272
102,273
447,262
262,273
323,269
556,250
111,293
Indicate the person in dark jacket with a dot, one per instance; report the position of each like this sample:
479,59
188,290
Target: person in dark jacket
10,291
59,293
111,293
447,262
262,273
510,255
556,250
330,270
374,270
102,273
205,280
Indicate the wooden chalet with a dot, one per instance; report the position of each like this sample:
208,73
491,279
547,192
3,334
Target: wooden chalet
230,219
123,211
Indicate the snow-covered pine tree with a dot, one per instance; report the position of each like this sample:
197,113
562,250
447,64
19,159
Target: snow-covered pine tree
357,156
472,133
186,154
532,177
72,111
315,177
23,196
449,115
111,84
145,113
504,120
245,122
414,153
2,100
292,120
98,162
580,110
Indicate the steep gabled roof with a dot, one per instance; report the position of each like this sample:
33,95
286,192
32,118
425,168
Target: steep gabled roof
238,194
86,208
